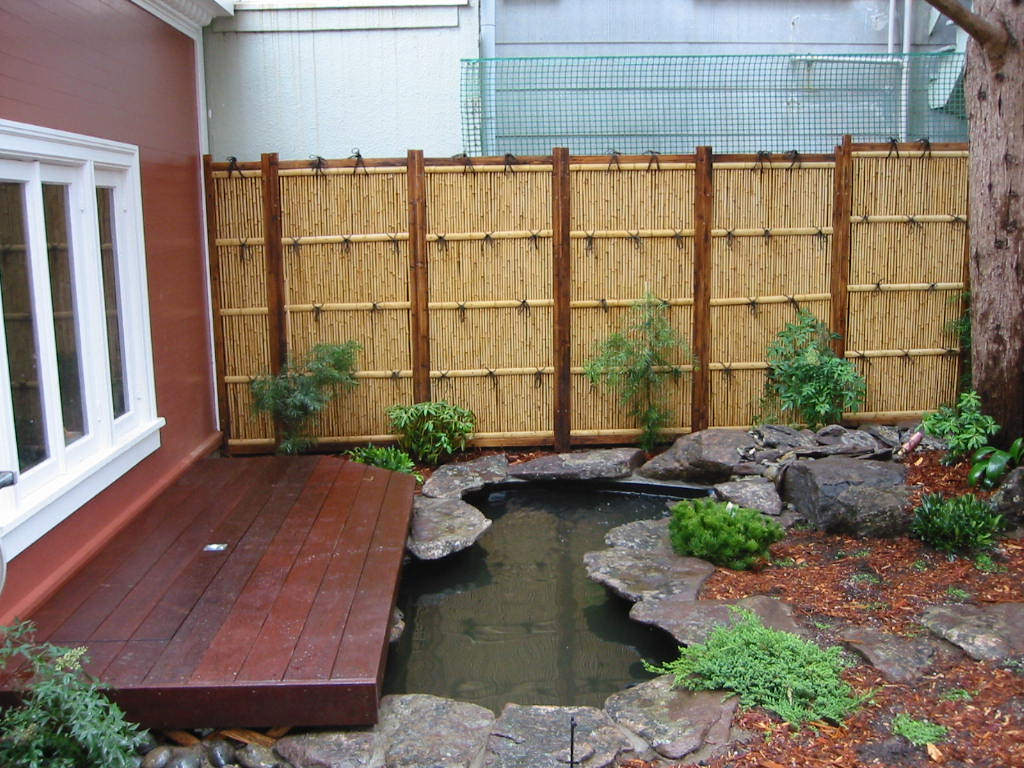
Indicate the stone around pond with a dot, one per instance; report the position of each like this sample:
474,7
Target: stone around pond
783,437
753,493
456,480
257,756
1008,499
985,633
538,737
690,621
421,730
633,574
603,464
641,536
674,722
708,456
337,749
443,526
898,659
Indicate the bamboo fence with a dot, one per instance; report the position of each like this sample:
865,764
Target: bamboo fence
490,281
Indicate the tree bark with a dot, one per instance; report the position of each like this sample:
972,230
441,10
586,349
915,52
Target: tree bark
995,106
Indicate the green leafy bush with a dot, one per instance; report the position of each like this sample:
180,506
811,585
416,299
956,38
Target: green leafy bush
385,457
722,533
989,464
810,383
64,720
776,670
918,732
303,389
636,364
958,524
964,427
433,430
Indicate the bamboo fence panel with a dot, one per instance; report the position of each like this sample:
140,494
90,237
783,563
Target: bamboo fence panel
490,287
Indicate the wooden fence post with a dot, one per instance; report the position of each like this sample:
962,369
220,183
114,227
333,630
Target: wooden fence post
419,286
703,218
561,216
842,208
273,255
224,422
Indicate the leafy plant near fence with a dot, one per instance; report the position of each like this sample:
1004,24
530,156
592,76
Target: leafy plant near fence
432,431
64,720
385,457
958,524
990,464
636,364
722,533
961,328
303,389
776,670
964,427
811,384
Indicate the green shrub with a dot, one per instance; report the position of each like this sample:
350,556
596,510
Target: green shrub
958,524
989,465
918,732
433,430
810,383
964,427
722,533
636,364
303,389
64,720
776,670
385,457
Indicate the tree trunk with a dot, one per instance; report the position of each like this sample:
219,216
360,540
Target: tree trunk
995,103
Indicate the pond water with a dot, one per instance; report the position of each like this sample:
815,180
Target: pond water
515,618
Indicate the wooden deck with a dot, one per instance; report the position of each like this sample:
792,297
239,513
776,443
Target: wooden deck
253,592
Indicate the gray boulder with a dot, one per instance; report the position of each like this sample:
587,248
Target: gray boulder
443,526
632,574
674,722
641,536
602,464
708,456
753,493
1008,499
333,749
899,659
783,437
985,633
839,494
690,621
538,737
421,730
456,480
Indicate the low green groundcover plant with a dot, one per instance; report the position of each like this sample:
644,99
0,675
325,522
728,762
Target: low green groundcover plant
303,389
958,524
64,720
964,427
722,533
810,383
918,732
779,671
385,457
432,431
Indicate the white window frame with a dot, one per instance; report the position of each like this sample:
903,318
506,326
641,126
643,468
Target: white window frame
49,492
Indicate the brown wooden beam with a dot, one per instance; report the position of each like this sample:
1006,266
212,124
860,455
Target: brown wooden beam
419,284
273,255
223,417
842,245
561,217
703,220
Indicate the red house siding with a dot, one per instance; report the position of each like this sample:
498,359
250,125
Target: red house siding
108,68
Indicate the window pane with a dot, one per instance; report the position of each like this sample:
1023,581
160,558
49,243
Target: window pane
65,320
20,330
108,257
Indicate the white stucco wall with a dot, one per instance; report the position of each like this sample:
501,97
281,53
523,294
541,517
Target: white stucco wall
326,81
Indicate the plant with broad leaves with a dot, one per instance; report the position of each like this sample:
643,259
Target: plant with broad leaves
432,430
990,464
958,524
964,427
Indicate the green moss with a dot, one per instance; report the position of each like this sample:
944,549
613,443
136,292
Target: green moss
918,732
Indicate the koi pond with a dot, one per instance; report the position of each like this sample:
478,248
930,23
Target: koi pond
515,618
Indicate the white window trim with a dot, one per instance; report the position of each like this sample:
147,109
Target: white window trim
124,442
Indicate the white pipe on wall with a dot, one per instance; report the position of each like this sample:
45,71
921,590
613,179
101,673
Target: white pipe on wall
908,22
891,44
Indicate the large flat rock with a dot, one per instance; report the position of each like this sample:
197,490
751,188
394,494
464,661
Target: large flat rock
633,574
456,480
690,621
674,722
420,730
538,737
602,464
641,536
708,456
443,526
337,749
985,633
898,659
753,493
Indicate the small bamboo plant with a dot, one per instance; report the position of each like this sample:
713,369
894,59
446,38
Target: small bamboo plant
303,389
637,364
